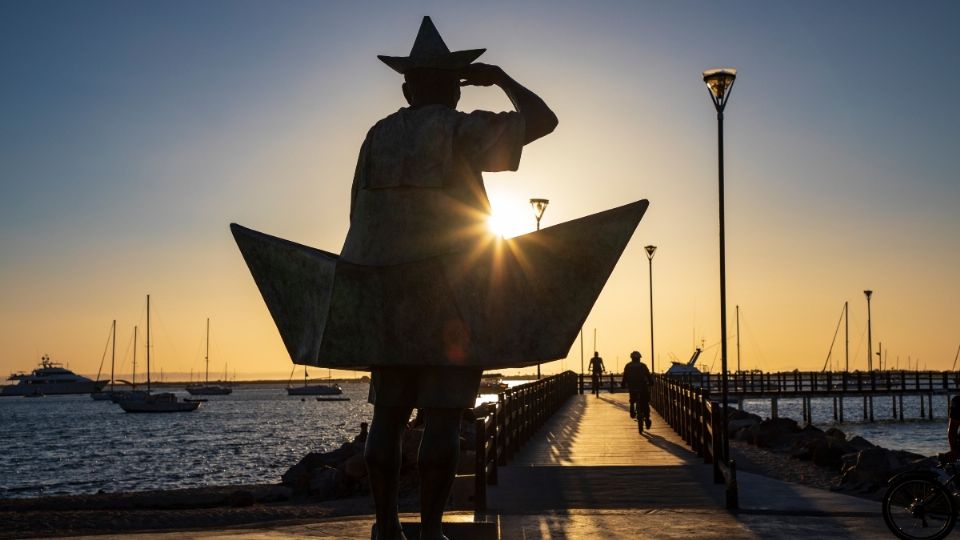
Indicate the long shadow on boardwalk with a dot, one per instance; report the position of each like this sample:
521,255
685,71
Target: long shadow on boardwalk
589,474
590,456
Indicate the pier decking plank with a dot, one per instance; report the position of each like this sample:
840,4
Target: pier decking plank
589,455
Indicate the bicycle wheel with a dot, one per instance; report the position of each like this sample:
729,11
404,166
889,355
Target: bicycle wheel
918,509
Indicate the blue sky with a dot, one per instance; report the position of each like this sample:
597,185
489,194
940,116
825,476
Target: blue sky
134,132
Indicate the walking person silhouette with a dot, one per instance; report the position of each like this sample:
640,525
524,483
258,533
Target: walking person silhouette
596,370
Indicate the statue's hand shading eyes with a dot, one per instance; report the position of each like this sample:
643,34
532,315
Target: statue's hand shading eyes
480,74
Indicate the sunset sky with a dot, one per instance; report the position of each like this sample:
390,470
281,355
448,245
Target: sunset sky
133,133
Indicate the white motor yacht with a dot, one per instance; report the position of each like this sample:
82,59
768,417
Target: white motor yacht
51,378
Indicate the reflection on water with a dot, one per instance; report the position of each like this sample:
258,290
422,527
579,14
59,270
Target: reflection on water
72,444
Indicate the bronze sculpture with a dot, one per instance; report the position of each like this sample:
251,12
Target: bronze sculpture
422,294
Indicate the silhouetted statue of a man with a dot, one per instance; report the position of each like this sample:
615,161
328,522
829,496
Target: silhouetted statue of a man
418,193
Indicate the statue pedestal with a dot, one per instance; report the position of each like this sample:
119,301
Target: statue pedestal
455,530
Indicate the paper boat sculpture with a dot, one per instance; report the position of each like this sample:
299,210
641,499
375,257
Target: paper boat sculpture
502,304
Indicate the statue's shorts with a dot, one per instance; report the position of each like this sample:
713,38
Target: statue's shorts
424,386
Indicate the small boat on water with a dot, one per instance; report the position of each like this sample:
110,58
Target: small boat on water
207,389
492,383
146,402
50,379
333,389
158,403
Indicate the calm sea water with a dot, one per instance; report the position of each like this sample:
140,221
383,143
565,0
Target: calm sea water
72,444
58,445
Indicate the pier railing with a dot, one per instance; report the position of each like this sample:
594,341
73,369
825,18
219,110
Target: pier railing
503,427
689,410
608,382
827,383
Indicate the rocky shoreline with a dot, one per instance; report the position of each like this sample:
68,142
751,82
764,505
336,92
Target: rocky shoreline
824,459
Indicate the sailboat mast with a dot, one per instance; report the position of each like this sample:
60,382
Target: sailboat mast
846,331
738,338
134,357
148,343
113,352
206,376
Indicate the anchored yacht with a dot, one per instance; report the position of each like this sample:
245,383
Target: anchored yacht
50,378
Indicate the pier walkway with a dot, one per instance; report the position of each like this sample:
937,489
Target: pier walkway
588,474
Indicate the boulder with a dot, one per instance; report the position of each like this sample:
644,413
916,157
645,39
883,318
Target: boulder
859,443
835,433
737,414
734,426
297,478
803,443
355,467
326,483
828,453
873,467
773,433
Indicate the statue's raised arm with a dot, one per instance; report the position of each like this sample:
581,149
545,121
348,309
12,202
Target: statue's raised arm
539,119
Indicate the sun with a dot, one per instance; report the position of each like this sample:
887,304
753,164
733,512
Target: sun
510,218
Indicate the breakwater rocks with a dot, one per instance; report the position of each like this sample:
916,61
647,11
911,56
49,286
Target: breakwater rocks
860,466
342,472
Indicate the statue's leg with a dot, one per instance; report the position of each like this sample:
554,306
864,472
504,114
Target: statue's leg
439,453
383,456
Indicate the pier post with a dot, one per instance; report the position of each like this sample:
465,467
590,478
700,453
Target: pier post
834,409
893,406
871,408
923,413
864,408
773,408
900,399
841,409
930,405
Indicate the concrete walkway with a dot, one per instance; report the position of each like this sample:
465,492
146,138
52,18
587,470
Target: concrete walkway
589,474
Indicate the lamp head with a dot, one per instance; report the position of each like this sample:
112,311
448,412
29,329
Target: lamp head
539,207
650,251
719,82
868,293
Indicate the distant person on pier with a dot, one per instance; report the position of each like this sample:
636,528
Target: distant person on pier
596,370
637,379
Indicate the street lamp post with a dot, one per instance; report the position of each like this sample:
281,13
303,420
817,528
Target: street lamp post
868,294
650,252
719,83
539,207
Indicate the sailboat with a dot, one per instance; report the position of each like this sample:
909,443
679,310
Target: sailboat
117,396
312,389
155,403
207,389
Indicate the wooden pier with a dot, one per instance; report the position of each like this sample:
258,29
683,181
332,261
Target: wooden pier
835,386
